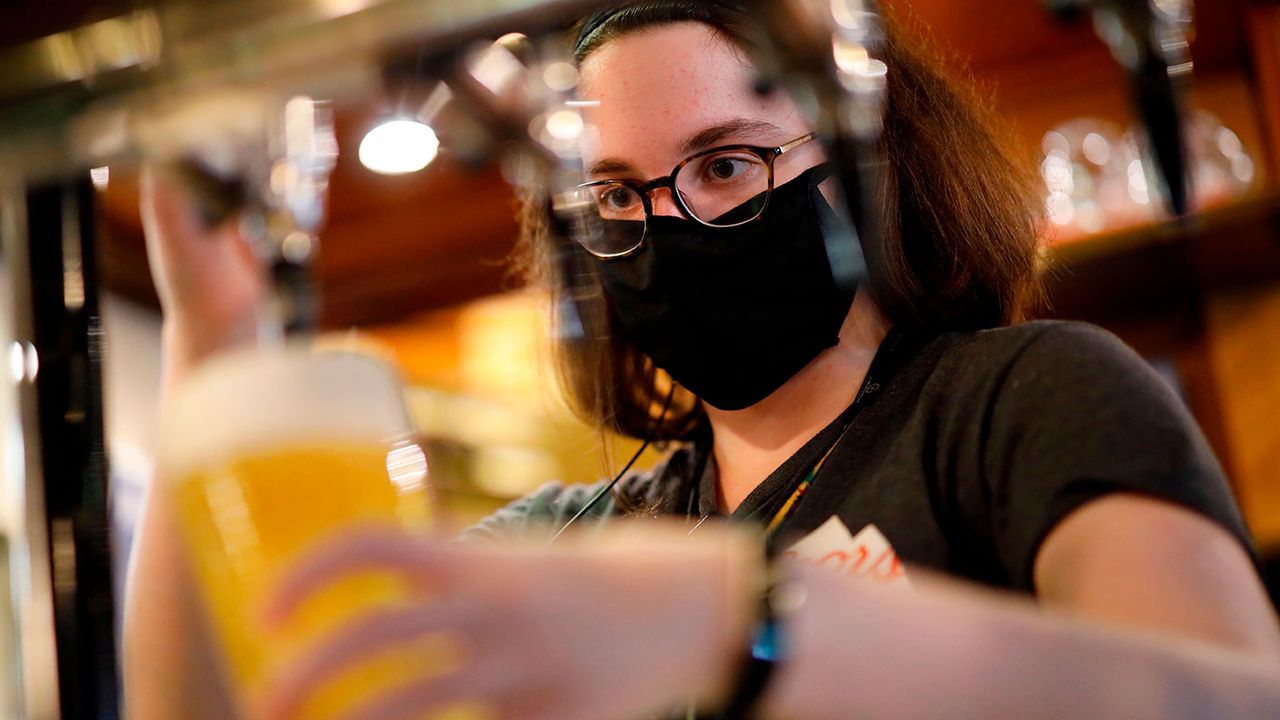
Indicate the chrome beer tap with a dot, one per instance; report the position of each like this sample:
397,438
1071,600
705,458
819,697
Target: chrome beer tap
1151,41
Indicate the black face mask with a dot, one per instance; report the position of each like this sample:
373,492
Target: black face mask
733,313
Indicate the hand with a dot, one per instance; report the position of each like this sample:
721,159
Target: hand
211,286
635,623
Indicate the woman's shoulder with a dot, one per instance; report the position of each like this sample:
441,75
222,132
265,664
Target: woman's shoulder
545,510
542,511
1070,376
1033,421
1046,353
1038,341
1072,381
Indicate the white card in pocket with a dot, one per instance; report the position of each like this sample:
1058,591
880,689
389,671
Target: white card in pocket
867,554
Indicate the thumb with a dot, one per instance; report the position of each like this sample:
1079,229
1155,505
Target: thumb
165,212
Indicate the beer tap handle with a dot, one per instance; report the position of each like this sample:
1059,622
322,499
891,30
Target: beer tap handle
294,209
514,100
251,157
831,55
1150,40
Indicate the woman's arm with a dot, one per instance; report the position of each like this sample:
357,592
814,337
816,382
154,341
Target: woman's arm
1148,564
169,666
629,626
956,654
211,289
621,624
1154,611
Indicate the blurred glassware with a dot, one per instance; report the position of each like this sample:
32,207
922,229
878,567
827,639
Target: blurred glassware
1095,178
1086,175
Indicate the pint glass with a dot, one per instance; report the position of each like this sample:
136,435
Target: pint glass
268,452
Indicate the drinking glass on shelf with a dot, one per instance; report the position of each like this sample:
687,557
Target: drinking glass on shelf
1096,178
1088,171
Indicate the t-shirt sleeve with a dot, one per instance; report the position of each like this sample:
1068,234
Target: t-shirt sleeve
540,514
1079,415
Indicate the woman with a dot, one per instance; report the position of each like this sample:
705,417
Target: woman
1041,458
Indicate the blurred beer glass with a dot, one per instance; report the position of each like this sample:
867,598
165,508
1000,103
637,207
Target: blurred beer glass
268,452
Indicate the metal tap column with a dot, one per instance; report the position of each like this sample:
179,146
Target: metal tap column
66,551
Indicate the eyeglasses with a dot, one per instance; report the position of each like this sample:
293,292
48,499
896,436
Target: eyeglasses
723,187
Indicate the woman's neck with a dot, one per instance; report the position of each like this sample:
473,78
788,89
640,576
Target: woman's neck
750,443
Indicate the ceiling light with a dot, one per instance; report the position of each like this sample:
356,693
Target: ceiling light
397,147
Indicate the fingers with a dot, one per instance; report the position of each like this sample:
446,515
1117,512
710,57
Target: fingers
187,259
412,701
357,642
372,548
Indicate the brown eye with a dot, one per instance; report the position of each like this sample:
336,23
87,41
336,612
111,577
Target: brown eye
723,168
618,198
615,201
729,167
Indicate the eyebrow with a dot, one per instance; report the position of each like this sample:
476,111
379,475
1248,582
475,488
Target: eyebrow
610,166
700,140
709,137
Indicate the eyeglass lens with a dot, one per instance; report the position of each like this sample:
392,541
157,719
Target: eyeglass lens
724,188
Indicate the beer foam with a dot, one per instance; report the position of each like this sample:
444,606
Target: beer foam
254,400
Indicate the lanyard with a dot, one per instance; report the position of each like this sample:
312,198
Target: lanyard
885,363
882,366
794,500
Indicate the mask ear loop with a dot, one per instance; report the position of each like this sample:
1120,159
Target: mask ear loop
653,431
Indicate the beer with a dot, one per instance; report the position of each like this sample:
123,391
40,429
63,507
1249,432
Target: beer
268,453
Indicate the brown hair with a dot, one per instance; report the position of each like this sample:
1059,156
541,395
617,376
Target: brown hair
959,248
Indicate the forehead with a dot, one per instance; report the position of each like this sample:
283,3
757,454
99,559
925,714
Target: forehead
656,87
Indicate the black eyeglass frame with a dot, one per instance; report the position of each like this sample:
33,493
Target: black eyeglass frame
767,154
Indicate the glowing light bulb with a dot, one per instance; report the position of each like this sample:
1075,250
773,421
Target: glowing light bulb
397,147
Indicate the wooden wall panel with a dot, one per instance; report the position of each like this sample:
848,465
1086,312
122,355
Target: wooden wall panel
1243,333
1264,40
995,36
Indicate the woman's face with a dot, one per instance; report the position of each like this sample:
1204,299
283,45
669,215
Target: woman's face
670,91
